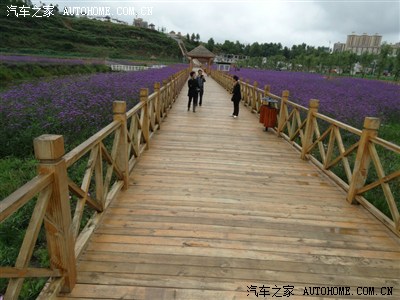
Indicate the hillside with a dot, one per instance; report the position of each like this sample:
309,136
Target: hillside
73,36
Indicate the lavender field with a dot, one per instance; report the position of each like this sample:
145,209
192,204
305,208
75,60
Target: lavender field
68,105
349,100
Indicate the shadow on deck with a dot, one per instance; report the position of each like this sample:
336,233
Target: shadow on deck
220,209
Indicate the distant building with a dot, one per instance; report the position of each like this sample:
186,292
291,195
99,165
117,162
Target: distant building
229,58
152,26
339,47
364,43
138,22
226,61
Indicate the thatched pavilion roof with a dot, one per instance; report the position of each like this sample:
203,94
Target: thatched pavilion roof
201,52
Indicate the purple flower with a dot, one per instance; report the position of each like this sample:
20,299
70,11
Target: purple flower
349,100
71,104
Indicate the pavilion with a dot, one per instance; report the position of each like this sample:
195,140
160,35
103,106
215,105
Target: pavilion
202,57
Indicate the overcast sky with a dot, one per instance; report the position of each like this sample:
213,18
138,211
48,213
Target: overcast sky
316,23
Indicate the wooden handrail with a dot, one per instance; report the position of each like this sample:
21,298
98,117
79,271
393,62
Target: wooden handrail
20,197
75,154
108,165
304,134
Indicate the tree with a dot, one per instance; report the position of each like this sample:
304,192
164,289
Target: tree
309,61
382,59
286,52
351,58
298,50
210,44
192,37
255,50
396,69
228,47
197,37
238,48
366,60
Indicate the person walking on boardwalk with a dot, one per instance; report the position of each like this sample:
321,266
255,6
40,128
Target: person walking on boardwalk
200,80
236,97
193,90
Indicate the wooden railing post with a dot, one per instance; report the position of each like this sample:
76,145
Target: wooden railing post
243,89
170,93
247,92
122,159
225,81
283,111
309,131
176,88
363,158
254,96
158,104
166,97
267,90
49,150
144,95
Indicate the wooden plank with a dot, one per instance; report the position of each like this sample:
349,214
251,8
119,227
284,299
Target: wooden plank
240,263
266,211
247,216
323,239
9,272
121,242
194,283
341,234
135,292
203,250
342,277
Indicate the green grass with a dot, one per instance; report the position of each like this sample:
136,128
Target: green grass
14,172
69,36
11,74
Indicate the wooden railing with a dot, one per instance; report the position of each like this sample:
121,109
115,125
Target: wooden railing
105,161
321,140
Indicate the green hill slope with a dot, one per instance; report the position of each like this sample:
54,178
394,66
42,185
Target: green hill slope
75,36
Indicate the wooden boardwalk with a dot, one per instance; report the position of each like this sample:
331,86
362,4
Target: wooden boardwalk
218,208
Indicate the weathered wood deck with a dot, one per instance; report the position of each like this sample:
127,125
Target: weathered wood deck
217,205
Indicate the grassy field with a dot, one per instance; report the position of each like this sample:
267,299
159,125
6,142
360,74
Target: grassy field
12,74
73,36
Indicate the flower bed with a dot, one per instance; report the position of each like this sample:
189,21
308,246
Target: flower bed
346,99
74,106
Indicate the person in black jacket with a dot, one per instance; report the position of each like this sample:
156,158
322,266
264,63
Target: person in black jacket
200,80
193,90
236,97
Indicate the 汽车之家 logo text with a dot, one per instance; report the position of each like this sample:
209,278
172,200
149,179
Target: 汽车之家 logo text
89,11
